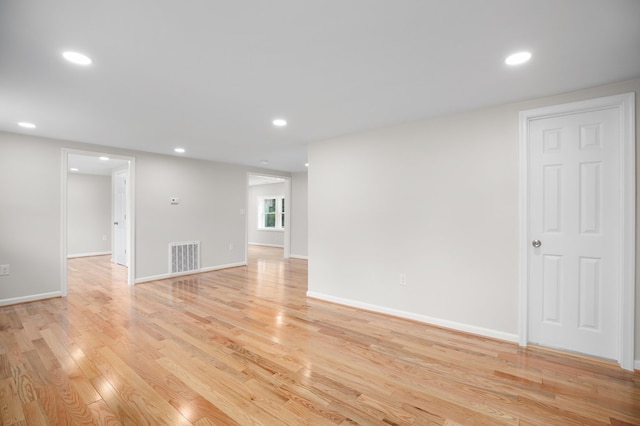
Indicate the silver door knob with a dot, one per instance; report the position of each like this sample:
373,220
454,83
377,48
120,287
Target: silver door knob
115,223
536,243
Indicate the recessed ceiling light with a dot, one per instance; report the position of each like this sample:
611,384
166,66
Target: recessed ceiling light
104,158
264,162
179,150
306,164
77,58
517,58
279,122
73,169
27,125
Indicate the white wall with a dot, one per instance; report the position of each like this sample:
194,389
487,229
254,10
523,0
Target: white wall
212,210
299,215
211,194
88,214
30,176
261,236
436,200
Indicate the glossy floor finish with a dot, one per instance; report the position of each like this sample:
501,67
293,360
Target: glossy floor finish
245,346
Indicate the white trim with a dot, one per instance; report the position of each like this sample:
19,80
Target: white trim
31,298
287,216
227,266
628,220
298,256
158,277
266,245
636,364
63,221
467,328
97,253
278,213
131,273
131,222
626,301
200,271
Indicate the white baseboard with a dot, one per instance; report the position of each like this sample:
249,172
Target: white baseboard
152,278
201,270
97,253
467,328
31,298
297,256
636,364
227,266
265,245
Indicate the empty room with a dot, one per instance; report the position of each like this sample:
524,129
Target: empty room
312,213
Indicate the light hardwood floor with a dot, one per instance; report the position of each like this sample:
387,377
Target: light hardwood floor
245,346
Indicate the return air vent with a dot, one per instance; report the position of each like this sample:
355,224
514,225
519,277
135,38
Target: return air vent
184,257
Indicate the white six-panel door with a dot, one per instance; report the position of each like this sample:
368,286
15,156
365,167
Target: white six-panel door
574,283
578,227
120,218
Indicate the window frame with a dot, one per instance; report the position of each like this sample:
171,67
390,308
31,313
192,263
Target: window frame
280,212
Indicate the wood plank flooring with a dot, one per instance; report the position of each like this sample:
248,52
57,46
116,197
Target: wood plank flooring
245,346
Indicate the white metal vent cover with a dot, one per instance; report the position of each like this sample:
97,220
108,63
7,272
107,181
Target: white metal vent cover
184,257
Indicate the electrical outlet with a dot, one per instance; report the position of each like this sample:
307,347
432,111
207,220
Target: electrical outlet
230,246
4,269
403,279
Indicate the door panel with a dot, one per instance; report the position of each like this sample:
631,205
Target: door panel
120,219
574,211
552,288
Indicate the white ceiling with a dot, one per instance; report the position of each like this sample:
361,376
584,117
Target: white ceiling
210,76
263,180
93,165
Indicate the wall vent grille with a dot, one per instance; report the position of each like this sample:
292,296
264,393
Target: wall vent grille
184,257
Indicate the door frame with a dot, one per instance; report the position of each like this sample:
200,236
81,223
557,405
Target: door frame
625,103
287,217
64,213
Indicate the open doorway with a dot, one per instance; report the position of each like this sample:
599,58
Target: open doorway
269,212
97,209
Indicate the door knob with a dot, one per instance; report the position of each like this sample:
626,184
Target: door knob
115,223
536,243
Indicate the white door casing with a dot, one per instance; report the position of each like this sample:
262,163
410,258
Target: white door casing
578,200
249,221
130,203
120,218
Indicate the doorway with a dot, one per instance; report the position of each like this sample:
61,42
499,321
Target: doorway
577,227
268,214
107,166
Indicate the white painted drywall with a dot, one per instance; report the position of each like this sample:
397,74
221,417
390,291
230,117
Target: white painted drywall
30,176
299,215
212,201
212,208
89,214
260,236
436,200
